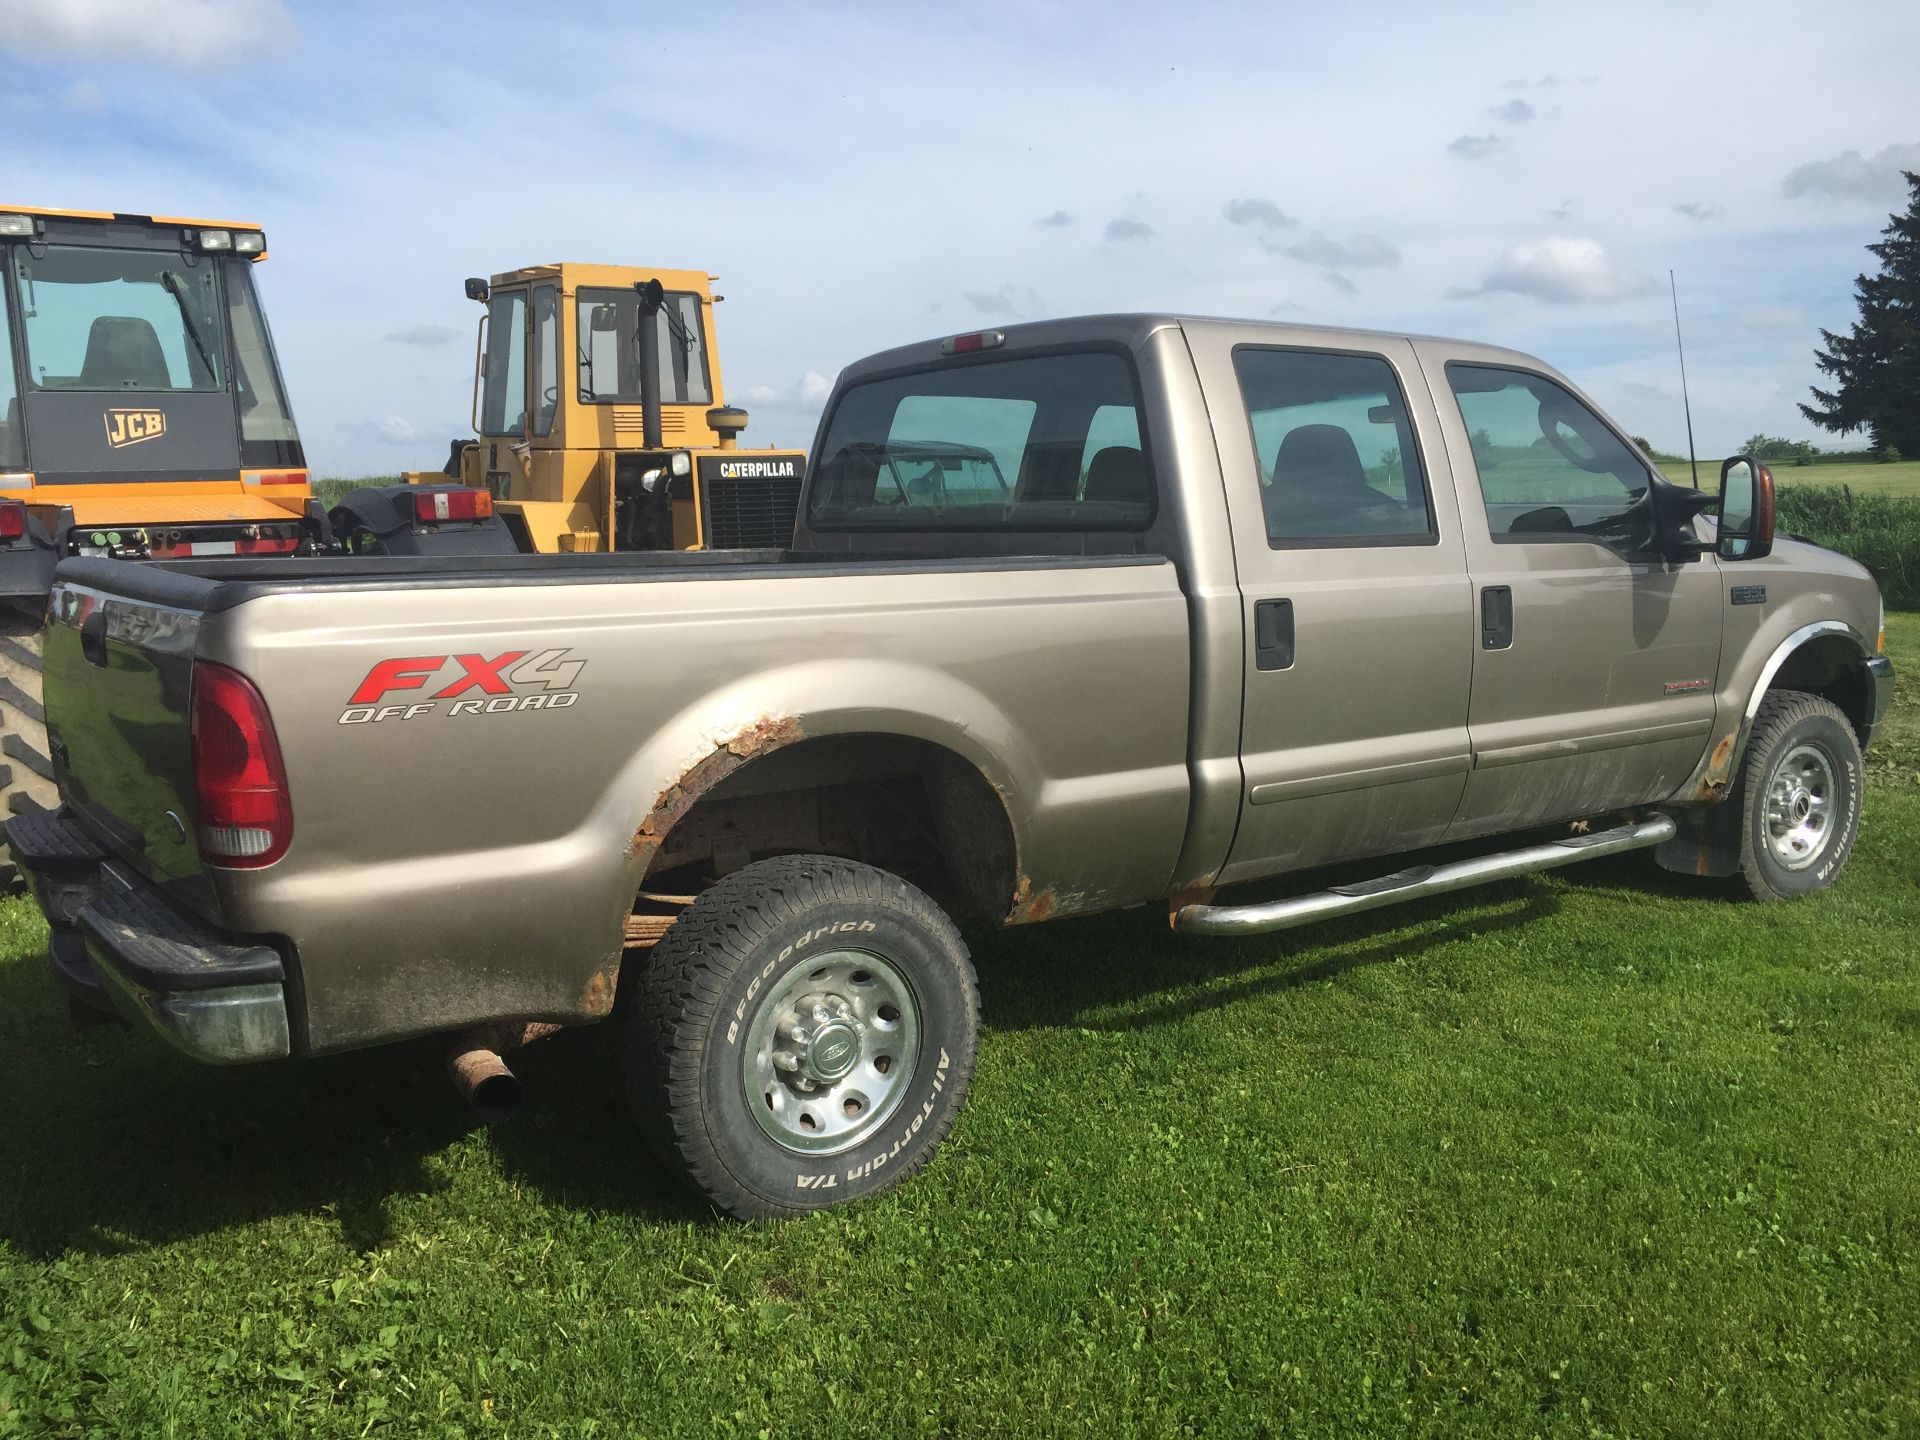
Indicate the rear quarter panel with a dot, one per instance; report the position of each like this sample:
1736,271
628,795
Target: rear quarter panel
450,867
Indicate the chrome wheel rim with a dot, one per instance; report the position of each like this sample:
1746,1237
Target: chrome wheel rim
830,1052
1799,809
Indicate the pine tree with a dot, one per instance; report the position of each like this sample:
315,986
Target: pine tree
1877,365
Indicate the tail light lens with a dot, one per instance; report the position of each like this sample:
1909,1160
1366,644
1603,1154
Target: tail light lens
437,507
245,815
13,519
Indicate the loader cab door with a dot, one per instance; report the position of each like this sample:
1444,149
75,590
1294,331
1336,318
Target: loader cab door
503,367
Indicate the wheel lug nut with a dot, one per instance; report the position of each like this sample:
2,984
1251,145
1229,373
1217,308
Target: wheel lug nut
785,1060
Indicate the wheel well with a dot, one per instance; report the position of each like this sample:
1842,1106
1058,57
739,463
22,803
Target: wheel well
906,806
1829,666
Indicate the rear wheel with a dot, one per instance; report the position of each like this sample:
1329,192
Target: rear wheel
1799,796
802,1036
26,772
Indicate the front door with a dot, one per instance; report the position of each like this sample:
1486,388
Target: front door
1595,660
1357,613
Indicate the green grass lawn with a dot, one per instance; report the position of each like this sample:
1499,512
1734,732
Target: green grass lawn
1901,478
1595,1154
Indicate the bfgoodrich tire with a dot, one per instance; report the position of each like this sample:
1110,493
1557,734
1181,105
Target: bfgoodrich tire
803,1036
26,774
1799,796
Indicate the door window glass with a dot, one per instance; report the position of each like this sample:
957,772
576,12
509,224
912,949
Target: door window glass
1335,449
1050,443
503,407
267,433
546,357
1549,467
12,438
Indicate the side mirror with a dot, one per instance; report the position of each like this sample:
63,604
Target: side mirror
604,318
1746,510
476,289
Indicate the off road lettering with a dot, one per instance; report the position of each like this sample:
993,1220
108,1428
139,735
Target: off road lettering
502,678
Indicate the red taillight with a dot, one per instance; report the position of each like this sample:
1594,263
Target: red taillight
437,507
13,519
296,477
245,815
280,545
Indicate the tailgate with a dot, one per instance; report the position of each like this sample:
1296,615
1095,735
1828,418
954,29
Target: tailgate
118,679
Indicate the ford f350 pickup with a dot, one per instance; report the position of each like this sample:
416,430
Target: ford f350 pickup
1078,615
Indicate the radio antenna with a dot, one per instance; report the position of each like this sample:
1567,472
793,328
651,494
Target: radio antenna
1692,459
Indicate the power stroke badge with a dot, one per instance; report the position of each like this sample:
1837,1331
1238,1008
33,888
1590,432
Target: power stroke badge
466,685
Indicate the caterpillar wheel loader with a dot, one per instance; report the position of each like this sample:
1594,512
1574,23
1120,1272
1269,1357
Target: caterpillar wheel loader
142,417
602,423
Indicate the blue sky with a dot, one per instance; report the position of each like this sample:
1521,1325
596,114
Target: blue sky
862,175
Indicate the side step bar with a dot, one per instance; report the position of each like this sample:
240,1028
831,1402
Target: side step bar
1418,882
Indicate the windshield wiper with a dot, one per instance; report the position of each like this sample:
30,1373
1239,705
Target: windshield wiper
176,287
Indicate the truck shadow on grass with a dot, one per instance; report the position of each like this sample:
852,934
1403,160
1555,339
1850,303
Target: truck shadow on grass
111,1143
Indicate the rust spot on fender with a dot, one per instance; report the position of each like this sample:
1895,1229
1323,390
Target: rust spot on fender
1028,908
769,732
598,999
1719,771
1185,896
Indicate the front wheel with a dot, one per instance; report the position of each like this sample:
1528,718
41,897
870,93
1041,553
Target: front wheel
802,1036
1798,797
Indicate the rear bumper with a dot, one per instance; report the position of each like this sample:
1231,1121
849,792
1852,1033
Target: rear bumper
1879,671
115,937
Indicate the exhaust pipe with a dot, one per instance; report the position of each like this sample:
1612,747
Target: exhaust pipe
478,1072
652,296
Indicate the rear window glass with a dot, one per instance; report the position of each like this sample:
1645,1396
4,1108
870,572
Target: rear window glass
1049,443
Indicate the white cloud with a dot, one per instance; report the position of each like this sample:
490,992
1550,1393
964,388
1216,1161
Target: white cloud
189,34
1362,252
1853,176
810,390
1772,319
1057,220
84,96
1474,147
1700,210
386,430
425,336
1515,112
1008,302
1263,213
1125,228
1560,272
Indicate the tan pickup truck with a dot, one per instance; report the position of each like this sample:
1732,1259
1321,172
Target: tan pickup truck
1121,611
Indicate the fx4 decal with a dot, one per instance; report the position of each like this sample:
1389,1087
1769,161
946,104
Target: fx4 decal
475,685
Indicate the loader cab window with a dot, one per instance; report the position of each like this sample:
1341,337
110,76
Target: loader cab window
503,404
1043,443
124,321
267,433
13,449
608,327
546,357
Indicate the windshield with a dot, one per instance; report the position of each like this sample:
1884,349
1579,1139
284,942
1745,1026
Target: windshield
608,324
134,321
503,404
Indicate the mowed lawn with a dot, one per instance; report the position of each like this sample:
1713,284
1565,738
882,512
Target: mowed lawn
1598,1154
1900,478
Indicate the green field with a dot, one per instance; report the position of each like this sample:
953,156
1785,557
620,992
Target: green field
1900,478
1599,1154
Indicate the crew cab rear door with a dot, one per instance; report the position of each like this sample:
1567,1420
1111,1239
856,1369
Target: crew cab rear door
1595,661
1357,613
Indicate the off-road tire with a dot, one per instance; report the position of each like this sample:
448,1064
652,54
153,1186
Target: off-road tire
26,772
702,995
1794,730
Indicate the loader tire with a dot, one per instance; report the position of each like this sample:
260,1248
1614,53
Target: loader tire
26,772
803,1036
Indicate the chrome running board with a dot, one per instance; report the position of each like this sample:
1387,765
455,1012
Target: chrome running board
1418,882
